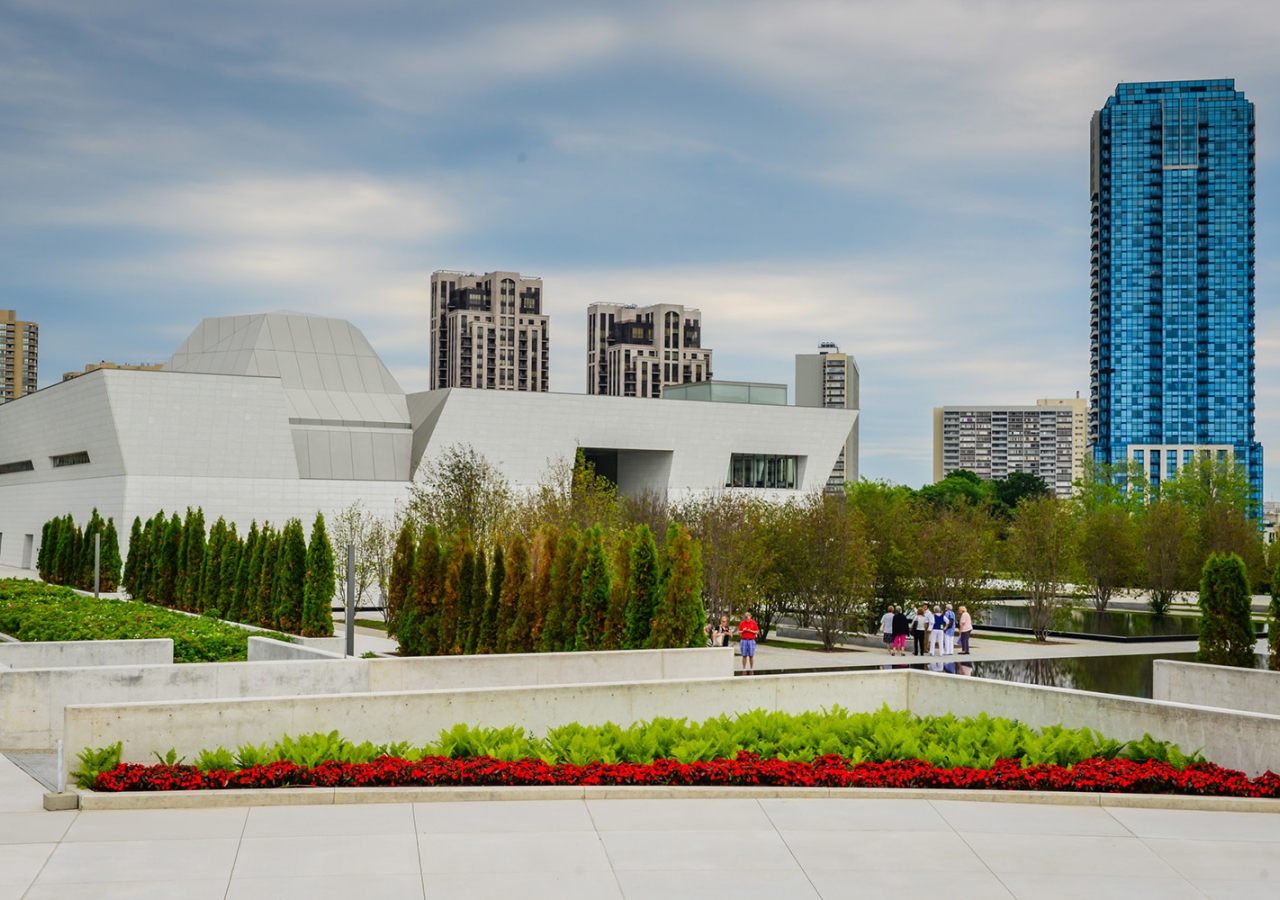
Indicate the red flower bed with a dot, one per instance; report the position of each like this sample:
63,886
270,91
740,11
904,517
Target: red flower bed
1103,775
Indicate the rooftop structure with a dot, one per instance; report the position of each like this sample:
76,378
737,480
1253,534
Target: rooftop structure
93,367
729,392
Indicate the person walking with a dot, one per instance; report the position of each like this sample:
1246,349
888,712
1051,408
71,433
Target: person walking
949,632
901,627
966,629
886,626
935,634
919,629
748,629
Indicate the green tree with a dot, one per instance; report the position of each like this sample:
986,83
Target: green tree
460,489
642,588
319,584
515,608
679,615
1166,538
466,577
42,555
131,579
596,588
1218,497
1040,546
228,603
488,641
451,587
479,597
961,486
167,566
957,549
291,576
889,512
110,562
1011,490
418,624
211,577
243,605
562,600
84,570
402,567
615,623
1107,540
264,573
1226,625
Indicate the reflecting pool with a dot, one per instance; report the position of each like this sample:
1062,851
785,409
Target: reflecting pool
1112,623
1128,675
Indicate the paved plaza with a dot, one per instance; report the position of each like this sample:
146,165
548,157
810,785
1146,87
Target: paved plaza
832,849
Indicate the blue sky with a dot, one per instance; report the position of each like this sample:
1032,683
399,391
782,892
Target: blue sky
906,179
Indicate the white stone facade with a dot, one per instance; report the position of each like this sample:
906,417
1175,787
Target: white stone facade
272,417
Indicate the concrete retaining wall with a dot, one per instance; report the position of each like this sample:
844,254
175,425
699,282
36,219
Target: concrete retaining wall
1226,687
67,654
31,701
1247,741
1238,740
270,650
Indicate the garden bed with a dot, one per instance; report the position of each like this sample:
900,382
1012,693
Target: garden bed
836,749
33,611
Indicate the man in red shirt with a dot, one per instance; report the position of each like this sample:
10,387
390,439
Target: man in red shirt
748,630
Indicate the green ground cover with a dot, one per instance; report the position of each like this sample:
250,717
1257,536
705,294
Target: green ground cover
32,611
879,736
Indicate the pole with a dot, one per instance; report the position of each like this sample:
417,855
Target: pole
97,562
351,600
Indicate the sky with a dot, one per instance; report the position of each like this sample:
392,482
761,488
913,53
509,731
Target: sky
906,179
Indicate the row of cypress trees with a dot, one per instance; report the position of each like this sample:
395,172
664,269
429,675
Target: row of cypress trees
576,590
269,578
66,553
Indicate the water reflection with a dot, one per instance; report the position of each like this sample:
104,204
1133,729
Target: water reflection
1111,623
1127,675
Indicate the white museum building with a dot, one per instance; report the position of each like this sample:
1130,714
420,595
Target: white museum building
280,415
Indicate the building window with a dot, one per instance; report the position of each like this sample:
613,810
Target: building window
70,459
754,470
21,466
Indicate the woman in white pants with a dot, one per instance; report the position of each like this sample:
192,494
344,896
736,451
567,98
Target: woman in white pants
935,636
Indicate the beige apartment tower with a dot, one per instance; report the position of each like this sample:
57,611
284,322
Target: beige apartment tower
637,351
488,331
1079,430
19,356
1047,439
829,379
93,367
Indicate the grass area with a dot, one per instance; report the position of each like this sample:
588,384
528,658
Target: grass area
34,611
371,623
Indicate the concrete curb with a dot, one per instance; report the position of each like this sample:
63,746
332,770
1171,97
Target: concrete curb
92,800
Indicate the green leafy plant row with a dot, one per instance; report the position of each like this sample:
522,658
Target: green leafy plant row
879,736
31,611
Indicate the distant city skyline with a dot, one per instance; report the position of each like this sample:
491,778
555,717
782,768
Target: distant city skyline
908,180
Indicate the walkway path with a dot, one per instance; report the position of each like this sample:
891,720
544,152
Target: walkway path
634,849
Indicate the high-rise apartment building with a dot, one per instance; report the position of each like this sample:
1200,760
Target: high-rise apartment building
1079,430
19,356
637,351
488,331
829,379
1172,292
994,441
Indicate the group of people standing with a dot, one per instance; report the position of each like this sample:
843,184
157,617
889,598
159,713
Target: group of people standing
935,628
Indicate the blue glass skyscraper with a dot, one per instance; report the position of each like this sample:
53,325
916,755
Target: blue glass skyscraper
1172,306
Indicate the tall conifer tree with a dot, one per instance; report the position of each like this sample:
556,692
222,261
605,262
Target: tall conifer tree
229,569
110,568
321,583
131,561
242,606
452,585
562,602
594,607
679,614
615,625
418,625
488,640
643,588
402,566
291,574
515,606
